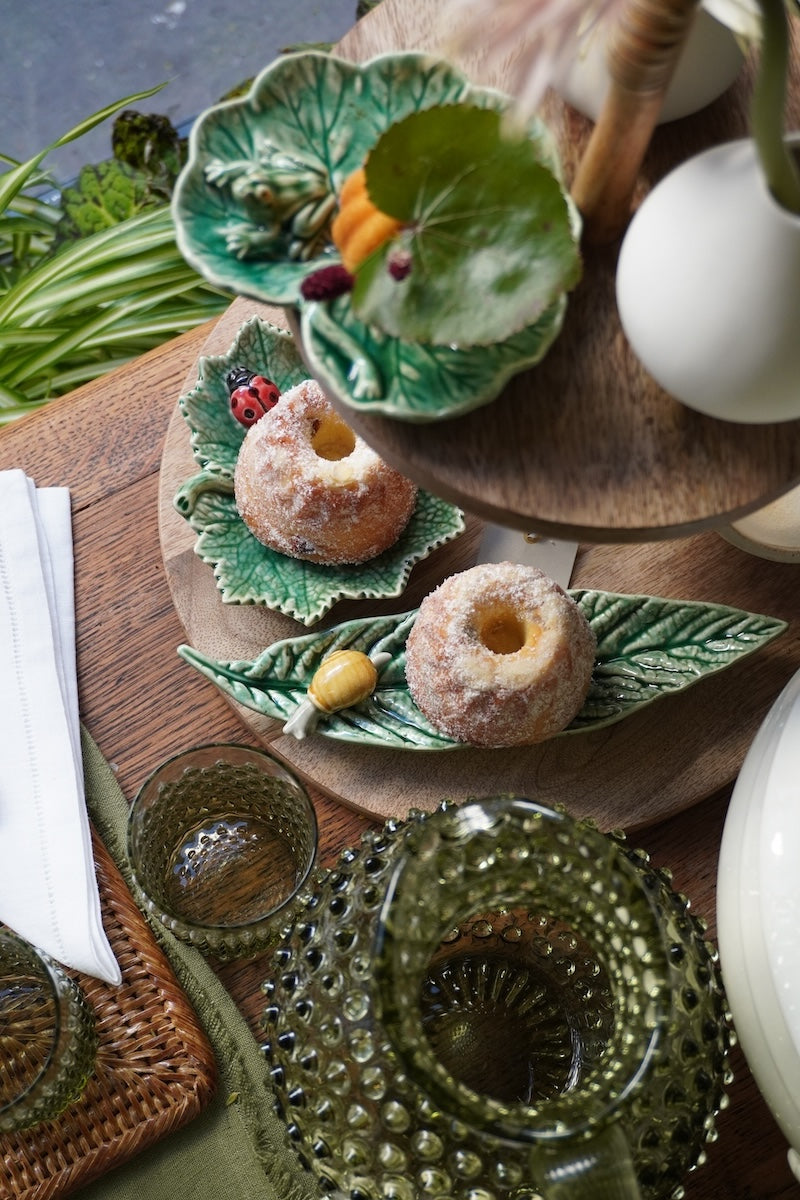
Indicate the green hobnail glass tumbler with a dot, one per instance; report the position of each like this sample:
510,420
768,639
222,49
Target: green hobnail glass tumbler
496,1001
220,837
48,1039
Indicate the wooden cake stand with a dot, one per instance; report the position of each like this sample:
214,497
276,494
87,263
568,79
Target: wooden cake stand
665,758
584,446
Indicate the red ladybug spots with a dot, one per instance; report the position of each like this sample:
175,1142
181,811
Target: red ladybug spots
251,395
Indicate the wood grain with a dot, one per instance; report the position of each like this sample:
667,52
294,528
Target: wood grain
586,445
660,761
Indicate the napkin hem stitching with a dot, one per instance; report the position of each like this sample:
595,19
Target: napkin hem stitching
25,713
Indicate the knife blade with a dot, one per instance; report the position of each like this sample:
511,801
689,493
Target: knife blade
551,555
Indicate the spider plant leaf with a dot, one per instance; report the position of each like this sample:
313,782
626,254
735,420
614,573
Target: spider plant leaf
19,176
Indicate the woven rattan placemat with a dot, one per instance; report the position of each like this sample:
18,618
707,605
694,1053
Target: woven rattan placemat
155,1067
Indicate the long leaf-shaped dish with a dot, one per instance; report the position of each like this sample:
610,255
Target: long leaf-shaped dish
647,648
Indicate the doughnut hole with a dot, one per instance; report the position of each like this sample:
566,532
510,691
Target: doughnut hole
332,439
499,655
503,631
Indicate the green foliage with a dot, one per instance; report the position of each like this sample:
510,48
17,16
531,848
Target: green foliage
150,143
105,194
93,278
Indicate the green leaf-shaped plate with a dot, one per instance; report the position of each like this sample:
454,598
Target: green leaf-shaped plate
247,572
326,114
410,381
216,435
314,117
647,648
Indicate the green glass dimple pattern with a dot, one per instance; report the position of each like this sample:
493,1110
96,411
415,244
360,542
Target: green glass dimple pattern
48,1039
218,846
471,982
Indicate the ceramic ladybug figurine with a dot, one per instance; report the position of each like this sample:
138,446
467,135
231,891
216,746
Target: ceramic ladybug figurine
251,395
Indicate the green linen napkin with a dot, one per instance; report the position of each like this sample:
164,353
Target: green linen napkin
237,1146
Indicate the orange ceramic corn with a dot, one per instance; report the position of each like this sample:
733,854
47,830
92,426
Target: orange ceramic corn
359,227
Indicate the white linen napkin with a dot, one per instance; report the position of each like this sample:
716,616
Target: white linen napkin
48,887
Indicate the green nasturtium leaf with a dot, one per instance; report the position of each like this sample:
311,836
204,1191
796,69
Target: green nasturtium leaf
488,240
647,648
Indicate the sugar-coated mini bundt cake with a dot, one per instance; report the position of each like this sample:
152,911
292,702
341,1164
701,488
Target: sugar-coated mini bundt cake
500,655
307,486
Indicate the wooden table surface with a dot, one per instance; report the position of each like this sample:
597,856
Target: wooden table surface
141,702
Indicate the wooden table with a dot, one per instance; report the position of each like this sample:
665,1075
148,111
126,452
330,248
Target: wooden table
142,703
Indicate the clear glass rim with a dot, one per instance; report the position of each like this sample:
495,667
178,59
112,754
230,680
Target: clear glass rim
45,969
230,934
73,1043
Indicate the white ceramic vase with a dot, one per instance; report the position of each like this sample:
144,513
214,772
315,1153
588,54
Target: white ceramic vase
710,61
708,288
758,911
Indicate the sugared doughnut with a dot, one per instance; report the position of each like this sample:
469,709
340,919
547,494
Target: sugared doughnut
307,486
499,655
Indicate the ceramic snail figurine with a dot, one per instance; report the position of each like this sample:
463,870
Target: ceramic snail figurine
496,1001
341,680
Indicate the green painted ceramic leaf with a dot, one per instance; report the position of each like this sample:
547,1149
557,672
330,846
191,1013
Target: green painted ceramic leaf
647,648
216,435
322,115
372,373
487,231
247,572
276,683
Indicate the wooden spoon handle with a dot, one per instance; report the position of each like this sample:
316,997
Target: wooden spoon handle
642,56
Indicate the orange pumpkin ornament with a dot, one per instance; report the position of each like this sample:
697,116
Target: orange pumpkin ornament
359,227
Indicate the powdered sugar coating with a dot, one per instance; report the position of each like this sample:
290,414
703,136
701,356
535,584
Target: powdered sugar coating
346,508
517,696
